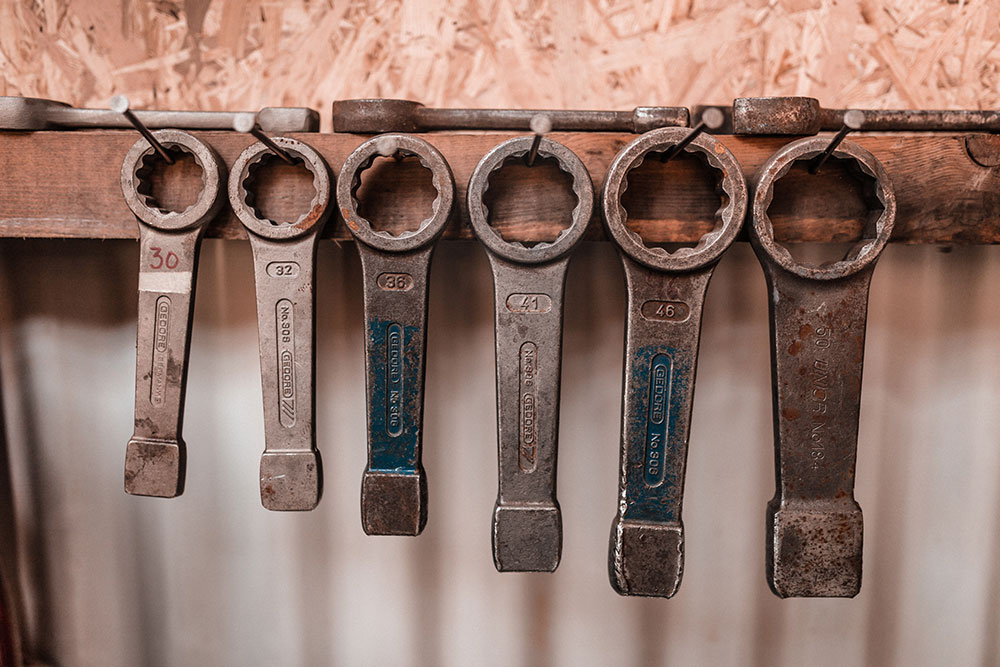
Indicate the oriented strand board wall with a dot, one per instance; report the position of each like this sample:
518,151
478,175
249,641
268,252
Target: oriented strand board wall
230,54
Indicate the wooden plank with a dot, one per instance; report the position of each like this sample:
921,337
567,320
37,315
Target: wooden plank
66,185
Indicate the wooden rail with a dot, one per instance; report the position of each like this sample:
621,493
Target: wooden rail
66,185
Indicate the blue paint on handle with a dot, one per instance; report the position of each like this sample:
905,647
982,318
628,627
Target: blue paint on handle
661,379
393,401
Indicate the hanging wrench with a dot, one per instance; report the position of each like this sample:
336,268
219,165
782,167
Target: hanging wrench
528,283
666,292
395,271
284,255
168,261
818,315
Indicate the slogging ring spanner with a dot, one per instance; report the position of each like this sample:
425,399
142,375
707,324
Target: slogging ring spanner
395,272
528,285
168,261
284,256
666,292
818,313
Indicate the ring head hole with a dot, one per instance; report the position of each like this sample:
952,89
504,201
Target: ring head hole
170,188
278,192
395,194
530,204
666,201
840,196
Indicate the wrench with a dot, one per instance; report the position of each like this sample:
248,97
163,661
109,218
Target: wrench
30,113
818,315
666,292
385,115
803,115
395,271
284,255
168,261
528,286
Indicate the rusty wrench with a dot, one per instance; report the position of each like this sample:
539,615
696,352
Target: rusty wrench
168,261
284,257
818,315
395,272
666,292
528,285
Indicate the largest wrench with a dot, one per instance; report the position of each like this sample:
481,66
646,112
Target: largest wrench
666,292
168,259
818,315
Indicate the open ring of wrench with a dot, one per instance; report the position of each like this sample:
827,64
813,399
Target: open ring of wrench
284,265
666,292
528,284
818,316
168,260
395,273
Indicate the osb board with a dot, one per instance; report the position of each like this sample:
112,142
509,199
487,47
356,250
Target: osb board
552,53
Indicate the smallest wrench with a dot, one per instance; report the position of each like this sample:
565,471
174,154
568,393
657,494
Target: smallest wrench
168,261
395,272
528,299
284,255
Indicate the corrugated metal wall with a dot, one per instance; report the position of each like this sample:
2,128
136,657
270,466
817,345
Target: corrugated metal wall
212,578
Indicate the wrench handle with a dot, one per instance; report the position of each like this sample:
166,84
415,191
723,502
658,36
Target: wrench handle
527,521
290,468
817,348
646,555
156,454
394,486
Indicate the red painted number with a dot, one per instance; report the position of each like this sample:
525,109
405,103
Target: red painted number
159,261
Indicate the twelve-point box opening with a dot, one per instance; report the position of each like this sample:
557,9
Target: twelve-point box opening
278,192
840,201
395,194
531,204
170,188
682,198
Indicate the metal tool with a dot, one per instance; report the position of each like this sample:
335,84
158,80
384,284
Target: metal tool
372,116
818,314
803,115
168,262
29,113
395,272
284,255
666,292
528,284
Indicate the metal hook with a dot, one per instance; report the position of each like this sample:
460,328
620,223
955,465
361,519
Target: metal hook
119,104
853,120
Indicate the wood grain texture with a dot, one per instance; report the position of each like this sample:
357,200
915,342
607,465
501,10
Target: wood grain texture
66,185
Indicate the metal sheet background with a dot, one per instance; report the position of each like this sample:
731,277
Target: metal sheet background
213,578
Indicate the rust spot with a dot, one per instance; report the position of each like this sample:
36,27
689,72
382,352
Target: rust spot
315,214
795,348
791,414
805,330
268,490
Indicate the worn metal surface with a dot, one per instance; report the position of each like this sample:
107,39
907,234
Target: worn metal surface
818,315
395,270
168,262
528,298
804,115
31,113
666,292
284,255
370,116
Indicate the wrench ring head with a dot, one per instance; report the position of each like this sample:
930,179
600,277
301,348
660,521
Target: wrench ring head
388,145
137,164
583,188
252,157
712,245
865,252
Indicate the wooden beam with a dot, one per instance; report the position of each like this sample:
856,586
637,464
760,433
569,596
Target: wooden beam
66,185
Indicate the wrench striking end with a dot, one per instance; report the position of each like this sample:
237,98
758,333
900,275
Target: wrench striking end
393,503
814,552
290,481
647,559
527,538
155,467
